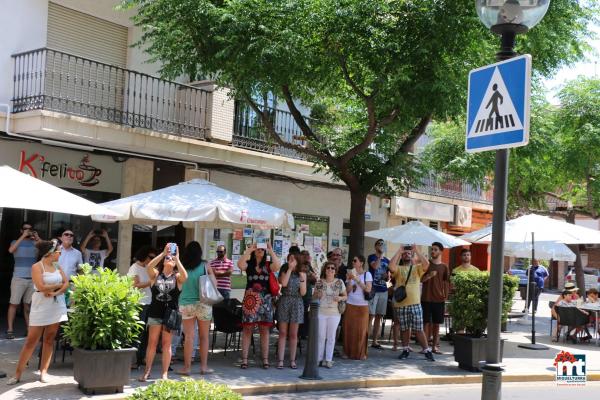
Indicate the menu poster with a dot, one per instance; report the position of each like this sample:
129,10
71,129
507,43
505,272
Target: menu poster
238,234
285,248
309,242
236,270
216,234
278,247
304,228
335,243
236,248
317,244
247,232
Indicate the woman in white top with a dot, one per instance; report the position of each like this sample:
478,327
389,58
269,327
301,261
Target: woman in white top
356,317
330,291
48,308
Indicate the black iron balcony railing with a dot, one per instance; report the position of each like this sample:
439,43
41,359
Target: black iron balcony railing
454,190
46,79
249,133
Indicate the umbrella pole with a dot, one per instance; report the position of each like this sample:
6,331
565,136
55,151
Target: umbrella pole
533,345
154,235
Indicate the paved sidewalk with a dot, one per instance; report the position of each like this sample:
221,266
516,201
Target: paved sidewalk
381,369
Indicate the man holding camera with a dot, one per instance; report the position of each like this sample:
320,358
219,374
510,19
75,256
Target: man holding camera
408,311
21,286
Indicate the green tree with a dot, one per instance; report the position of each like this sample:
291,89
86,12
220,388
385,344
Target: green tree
373,72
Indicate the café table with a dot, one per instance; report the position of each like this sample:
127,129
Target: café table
596,310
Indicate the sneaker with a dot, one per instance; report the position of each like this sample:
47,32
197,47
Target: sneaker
404,355
429,356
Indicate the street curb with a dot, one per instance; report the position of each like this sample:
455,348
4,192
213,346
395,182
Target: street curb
388,382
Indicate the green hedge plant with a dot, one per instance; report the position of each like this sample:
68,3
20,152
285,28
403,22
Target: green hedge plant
469,305
105,312
187,389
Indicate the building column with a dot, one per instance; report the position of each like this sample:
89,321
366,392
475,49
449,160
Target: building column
135,179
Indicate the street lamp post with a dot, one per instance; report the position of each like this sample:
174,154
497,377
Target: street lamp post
506,18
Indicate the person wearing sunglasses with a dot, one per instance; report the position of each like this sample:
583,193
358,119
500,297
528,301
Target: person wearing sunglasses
166,286
48,308
409,313
356,318
222,268
330,291
70,258
378,267
290,310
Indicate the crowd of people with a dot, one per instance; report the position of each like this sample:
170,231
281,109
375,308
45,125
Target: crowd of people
412,288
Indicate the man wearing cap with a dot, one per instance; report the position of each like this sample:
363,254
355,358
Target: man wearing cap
378,267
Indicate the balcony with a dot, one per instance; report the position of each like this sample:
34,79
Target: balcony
46,79
249,133
454,190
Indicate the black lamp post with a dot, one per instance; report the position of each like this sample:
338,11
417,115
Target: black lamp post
506,18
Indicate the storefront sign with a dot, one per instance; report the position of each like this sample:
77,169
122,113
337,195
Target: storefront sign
63,168
422,209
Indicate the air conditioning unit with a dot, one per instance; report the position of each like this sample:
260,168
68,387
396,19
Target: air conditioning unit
463,216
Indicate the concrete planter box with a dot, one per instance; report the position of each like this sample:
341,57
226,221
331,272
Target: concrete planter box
469,351
102,371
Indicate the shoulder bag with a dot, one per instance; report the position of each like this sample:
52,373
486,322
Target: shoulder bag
209,294
273,284
368,295
400,291
172,319
342,303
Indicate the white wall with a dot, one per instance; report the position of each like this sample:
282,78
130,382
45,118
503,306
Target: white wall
24,27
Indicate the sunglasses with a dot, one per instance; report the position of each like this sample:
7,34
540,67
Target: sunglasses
354,288
220,252
68,234
330,268
379,244
168,258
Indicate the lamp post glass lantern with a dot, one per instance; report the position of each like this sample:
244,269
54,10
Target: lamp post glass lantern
521,14
506,18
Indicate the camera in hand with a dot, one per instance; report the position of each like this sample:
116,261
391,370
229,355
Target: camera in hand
408,248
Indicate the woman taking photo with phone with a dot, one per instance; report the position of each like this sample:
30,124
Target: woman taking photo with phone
330,291
356,317
290,310
257,307
166,286
48,308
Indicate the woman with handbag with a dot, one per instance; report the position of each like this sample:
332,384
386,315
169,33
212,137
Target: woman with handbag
257,307
163,314
193,310
290,309
356,318
331,292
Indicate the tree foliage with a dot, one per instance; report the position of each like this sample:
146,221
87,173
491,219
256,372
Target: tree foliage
373,72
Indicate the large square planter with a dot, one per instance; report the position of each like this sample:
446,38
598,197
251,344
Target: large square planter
469,351
102,371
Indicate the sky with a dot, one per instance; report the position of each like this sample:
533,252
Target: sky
588,67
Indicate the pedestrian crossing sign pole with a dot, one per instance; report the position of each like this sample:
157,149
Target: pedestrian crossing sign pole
498,105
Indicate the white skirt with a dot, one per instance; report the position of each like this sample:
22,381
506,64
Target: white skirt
47,310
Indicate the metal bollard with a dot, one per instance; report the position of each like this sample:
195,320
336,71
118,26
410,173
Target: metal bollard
311,367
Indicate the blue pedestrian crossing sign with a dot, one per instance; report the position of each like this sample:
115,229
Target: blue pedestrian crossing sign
498,105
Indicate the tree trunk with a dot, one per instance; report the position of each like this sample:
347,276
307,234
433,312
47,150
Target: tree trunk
579,276
357,223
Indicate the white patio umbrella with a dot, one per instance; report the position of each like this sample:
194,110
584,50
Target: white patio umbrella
543,251
26,192
196,203
416,232
545,229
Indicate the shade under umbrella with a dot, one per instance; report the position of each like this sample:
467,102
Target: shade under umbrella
26,192
546,229
196,202
543,251
416,232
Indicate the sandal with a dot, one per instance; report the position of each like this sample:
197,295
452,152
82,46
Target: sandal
293,365
144,378
280,364
13,381
10,335
244,364
265,364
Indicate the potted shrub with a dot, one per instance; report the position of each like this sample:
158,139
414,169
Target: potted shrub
187,389
102,328
469,310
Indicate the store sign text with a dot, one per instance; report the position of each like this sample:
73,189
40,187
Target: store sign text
38,166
